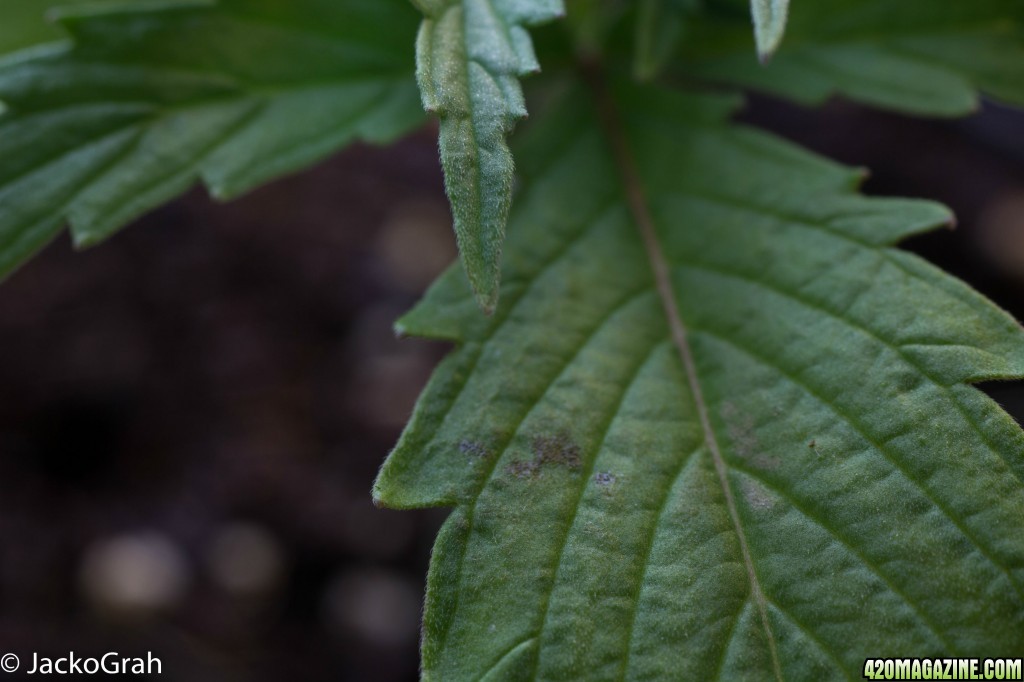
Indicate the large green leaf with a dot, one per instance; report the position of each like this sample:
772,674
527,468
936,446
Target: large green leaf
718,427
917,56
147,101
469,55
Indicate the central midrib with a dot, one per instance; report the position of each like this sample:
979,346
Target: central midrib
625,163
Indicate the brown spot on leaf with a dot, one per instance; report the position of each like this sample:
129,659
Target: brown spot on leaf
757,497
559,450
743,435
818,450
523,468
474,449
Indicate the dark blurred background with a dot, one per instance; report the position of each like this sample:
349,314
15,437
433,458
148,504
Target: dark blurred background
191,415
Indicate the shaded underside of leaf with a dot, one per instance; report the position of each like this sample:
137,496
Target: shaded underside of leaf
470,54
915,56
834,491
147,102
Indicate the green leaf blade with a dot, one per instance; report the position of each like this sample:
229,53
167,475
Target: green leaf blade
470,54
919,57
877,495
132,113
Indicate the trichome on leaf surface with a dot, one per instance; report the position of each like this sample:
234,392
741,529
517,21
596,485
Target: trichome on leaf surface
717,426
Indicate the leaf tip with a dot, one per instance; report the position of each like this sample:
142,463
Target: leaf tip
487,299
483,273
377,498
83,240
219,191
860,175
769,17
380,498
766,48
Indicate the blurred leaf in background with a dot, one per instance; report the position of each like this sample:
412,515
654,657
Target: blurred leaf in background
24,24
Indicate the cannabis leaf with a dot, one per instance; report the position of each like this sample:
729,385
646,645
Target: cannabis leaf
769,24
718,427
24,24
916,56
149,99
469,55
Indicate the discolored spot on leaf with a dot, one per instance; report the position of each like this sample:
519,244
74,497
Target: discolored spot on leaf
815,446
559,449
521,468
742,433
474,449
784,316
757,496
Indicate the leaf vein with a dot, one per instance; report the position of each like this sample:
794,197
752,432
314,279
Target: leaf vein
853,549
599,325
639,206
684,466
585,478
876,444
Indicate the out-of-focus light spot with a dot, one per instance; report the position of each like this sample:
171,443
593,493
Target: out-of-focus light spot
134,574
246,560
379,607
1001,232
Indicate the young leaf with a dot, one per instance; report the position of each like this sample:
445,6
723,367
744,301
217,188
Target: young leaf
915,56
148,100
719,427
469,55
769,25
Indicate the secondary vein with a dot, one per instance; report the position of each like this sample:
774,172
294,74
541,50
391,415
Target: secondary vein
613,129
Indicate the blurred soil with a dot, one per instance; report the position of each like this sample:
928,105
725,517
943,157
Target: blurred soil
213,390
